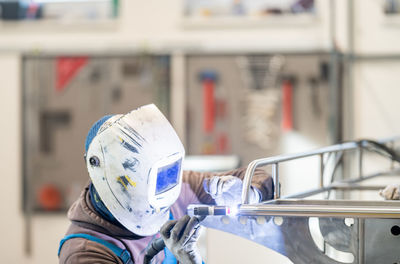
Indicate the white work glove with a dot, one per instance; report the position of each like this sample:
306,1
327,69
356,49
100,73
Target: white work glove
227,190
391,192
180,237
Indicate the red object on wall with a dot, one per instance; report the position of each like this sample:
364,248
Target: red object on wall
287,106
49,197
208,105
66,69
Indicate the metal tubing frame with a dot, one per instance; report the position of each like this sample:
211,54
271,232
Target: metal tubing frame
332,208
339,185
313,208
321,170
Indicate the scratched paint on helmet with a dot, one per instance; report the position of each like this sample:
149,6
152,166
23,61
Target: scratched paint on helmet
131,164
130,133
128,146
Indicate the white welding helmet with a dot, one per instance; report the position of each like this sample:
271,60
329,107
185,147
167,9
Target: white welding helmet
135,163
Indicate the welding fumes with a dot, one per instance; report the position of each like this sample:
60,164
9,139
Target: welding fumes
205,210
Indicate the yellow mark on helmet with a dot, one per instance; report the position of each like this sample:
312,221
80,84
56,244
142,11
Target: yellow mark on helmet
125,180
119,179
130,181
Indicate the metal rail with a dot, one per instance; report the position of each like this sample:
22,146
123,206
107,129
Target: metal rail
315,208
341,184
346,208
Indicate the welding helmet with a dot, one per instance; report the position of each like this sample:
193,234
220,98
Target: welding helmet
135,164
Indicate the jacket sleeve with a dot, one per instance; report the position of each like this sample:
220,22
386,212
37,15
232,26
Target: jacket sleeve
79,250
261,180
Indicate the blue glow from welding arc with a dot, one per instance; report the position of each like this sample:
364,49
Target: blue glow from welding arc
232,211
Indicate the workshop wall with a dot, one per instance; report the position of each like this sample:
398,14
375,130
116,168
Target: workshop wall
137,29
12,224
376,99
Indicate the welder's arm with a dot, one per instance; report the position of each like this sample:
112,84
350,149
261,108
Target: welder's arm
227,190
262,184
180,238
391,192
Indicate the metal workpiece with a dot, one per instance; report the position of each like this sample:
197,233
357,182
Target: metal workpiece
322,208
283,158
321,170
340,240
327,231
289,236
381,241
347,185
274,161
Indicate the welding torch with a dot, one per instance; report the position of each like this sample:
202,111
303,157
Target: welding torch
206,210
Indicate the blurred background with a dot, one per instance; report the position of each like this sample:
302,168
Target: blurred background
242,79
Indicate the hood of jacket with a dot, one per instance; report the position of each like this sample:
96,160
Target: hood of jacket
83,213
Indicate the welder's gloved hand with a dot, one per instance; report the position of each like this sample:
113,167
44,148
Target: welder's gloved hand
180,237
227,190
391,192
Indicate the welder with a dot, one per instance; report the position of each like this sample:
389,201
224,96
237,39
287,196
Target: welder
138,193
